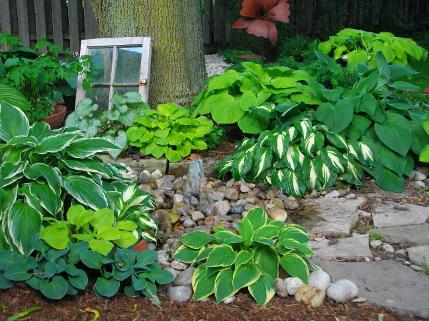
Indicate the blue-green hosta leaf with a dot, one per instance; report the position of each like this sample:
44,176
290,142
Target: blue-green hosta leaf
55,289
202,283
245,275
13,122
388,180
263,290
295,266
221,256
90,146
337,117
223,287
51,175
107,287
86,191
23,223
395,133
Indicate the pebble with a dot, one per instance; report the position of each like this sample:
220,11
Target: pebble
144,177
350,196
215,196
229,300
157,174
333,194
178,265
419,184
197,216
244,188
178,199
278,214
163,258
416,268
320,280
419,176
364,214
359,300
388,248
222,208
343,291
310,295
189,223
179,293
237,209
232,194
293,284
185,277
281,288
375,243
208,209
291,204
172,271
230,183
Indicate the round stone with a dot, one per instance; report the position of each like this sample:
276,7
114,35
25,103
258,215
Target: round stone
343,291
320,280
281,288
293,284
180,293
278,214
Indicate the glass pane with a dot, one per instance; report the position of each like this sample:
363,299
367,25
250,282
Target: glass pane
128,65
100,96
125,89
102,65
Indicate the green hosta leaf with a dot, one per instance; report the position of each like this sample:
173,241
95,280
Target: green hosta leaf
243,257
424,154
253,123
223,285
263,290
295,266
55,143
337,140
79,281
48,199
244,276
227,237
256,217
13,122
367,104
90,146
17,271
358,56
107,288
334,159
5,283
48,173
389,181
202,283
196,239
186,254
267,260
91,259
55,289
23,223
57,237
264,160
395,133
226,110
221,255
86,191
337,117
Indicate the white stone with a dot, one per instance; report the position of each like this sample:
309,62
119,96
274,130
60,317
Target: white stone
178,198
293,285
419,176
419,184
222,208
172,271
244,188
281,288
197,216
333,194
388,248
178,265
185,277
229,300
375,243
320,280
157,174
188,223
419,254
359,300
393,214
180,293
278,214
343,291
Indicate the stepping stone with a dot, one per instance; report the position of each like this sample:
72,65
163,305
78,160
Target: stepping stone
419,255
385,283
407,235
331,217
394,214
349,248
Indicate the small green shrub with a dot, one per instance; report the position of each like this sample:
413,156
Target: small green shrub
216,137
169,131
110,124
227,262
43,171
360,47
424,153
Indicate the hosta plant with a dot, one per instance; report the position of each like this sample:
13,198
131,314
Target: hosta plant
98,228
360,47
228,262
42,171
424,153
137,273
298,158
232,96
112,123
169,131
54,273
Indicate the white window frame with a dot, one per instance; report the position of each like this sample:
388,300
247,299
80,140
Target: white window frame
143,83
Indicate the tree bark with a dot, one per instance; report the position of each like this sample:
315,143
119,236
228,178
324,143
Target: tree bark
178,68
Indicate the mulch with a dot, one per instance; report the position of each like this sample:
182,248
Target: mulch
124,308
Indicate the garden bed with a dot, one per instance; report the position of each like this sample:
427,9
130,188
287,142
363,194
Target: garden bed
124,308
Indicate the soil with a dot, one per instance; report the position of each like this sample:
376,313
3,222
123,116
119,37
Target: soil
120,308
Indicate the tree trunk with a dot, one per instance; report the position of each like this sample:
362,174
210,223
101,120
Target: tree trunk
178,68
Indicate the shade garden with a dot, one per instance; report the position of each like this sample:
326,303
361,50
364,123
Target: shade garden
72,224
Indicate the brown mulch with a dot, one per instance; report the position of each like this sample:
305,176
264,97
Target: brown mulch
124,308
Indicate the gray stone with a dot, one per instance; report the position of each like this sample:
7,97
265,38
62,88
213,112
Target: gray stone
185,277
393,214
388,248
320,280
180,293
408,235
419,184
419,176
166,182
293,285
178,199
281,288
244,188
386,283
197,216
222,208
277,214
359,299
291,204
331,217
208,209
419,254
157,174
232,194
333,194
163,258
178,265
144,177
346,248
237,209
188,223
215,196
343,291
172,271
416,268
230,183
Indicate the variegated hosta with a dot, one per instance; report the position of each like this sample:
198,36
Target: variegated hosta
43,171
228,262
298,158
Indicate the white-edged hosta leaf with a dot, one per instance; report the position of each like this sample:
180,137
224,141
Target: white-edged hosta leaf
51,175
263,290
202,283
221,256
244,276
86,191
55,143
295,266
90,146
267,260
223,287
49,200
13,122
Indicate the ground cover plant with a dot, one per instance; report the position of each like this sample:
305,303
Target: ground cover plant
360,47
42,77
228,262
169,130
110,124
43,171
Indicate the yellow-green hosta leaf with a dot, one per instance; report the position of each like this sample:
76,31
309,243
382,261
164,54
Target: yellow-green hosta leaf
256,217
223,287
243,257
186,254
263,290
196,239
221,256
244,276
202,283
295,266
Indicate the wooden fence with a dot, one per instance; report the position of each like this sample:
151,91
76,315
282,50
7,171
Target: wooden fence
66,22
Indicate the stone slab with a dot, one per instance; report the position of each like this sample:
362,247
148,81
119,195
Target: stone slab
394,214
331,217
419,255
350,248
407,235
385,283
151,164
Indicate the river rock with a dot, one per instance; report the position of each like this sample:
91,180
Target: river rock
278,214
222,208
197,216
291,204
232,194
293,284
310,295
237,209
343,291
185,277
157,174
178,265
215,196
281,288
179,293
320,280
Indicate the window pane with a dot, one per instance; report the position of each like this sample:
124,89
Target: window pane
128,65
102,65
125,89
100,96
